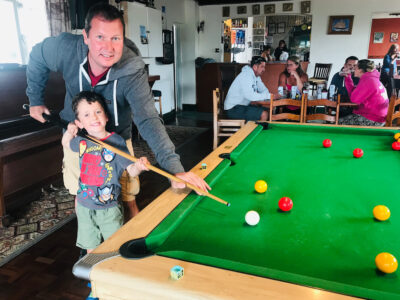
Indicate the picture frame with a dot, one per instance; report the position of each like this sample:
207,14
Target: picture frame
378,37
394,37
305,7
256,9
269,8
287,7
225,11
281,27
340,24
241,10
271,28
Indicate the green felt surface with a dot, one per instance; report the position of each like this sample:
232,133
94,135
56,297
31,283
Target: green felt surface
329,240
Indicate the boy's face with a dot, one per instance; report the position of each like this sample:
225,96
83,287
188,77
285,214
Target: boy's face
92,117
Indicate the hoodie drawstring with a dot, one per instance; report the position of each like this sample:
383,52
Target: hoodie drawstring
115,103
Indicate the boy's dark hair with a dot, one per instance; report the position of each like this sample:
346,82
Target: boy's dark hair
90,97
256,60
351,58
103,11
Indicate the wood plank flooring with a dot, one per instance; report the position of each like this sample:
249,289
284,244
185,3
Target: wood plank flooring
44,271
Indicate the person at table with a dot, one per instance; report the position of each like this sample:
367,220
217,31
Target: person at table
267,53
293,75
245,91
389,66
103,60
281,48
370,95
338,78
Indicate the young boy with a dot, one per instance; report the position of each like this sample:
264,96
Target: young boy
98,210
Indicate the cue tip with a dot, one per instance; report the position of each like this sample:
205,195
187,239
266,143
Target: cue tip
228,204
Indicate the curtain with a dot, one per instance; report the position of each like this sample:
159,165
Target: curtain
58,16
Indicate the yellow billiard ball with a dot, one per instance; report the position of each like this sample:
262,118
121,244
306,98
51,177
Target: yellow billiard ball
386,262
260,186
381,212
397,136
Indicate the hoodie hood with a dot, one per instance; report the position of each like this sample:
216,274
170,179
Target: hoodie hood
373,74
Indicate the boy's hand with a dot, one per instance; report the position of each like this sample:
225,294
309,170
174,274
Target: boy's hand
72,129
192,178
138,167
141,164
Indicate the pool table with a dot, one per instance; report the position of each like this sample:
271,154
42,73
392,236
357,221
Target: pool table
324,248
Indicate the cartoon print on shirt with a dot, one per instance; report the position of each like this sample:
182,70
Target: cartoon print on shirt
82,147
107,155
105,195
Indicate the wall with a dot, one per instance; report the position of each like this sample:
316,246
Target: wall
324,48
387,26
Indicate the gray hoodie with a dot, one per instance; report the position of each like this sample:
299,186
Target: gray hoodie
125,88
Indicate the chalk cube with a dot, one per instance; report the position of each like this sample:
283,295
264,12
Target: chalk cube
176,272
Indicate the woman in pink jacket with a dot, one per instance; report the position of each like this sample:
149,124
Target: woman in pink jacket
370,95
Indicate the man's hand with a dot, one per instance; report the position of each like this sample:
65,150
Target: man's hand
192,178
37,111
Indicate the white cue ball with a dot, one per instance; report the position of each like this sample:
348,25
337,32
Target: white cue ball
252,218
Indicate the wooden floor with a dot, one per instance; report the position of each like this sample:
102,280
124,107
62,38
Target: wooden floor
44,271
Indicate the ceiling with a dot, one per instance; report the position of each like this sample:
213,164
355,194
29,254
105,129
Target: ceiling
215,2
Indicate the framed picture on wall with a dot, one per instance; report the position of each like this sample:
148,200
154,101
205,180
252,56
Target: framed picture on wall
269,9
287,7
378,37
394,37
256,9
305,7
225,11
241,10
281,27
340,24
271,28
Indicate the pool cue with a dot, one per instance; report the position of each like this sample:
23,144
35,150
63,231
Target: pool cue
155,169
62,123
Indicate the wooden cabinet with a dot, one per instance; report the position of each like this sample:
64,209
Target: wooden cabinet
221,75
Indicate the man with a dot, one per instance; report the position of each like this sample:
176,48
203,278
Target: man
103,61
338,78
247,89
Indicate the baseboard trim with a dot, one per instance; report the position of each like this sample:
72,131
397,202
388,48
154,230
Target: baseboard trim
189,107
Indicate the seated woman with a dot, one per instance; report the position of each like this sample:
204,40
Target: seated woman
293,75
370,94
267,53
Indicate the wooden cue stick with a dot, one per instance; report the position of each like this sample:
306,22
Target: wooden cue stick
157,170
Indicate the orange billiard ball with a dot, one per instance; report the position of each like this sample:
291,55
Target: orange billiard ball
386,262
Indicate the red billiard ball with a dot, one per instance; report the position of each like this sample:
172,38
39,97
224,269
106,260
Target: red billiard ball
285,204
358,153
327,143
396,146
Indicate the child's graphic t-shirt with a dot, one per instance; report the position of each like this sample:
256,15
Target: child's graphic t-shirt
99,186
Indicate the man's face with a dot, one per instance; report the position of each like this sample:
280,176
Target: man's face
259,69
351,64
92,117
106,42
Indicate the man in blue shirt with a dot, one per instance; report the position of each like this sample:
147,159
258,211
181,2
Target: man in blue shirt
245,89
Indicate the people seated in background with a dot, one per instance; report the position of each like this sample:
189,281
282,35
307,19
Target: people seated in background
293,75
370,94
246,90
281,48
267,53
338,78
389,66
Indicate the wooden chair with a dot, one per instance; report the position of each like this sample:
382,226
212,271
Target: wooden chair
321,74
222,125
394,102
310,107
286,115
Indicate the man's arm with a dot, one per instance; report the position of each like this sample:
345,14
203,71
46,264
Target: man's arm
246,85
42,60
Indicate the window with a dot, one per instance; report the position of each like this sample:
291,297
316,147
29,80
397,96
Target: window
23,23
